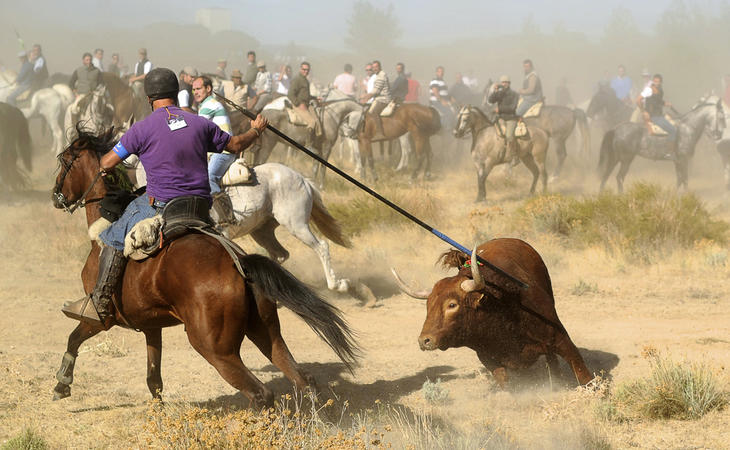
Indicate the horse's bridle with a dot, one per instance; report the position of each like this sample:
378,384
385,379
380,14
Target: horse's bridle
58,196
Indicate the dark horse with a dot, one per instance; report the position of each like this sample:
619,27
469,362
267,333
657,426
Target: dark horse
14,142
421,121
126,103
558,122
623,143
606,104
193,281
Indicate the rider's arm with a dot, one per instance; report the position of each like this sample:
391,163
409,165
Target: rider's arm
109,160
240,142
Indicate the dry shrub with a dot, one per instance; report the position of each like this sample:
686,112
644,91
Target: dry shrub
640,222
363,212
28,439
673,390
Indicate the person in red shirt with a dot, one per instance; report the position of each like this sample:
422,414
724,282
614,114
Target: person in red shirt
414,90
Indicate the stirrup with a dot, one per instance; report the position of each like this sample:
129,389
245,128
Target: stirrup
84,310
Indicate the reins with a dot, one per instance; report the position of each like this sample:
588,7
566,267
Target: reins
81,202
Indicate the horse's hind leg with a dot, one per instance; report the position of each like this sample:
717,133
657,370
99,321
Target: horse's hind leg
299,227
562,155
264,331
622,171
265,236
154,359
222,351
65,374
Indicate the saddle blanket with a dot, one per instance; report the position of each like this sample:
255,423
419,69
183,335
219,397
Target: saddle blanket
279,104
534,110
656,130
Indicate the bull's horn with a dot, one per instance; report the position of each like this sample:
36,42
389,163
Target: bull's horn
477,282
407,290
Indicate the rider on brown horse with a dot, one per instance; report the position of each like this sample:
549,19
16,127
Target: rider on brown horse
381,97
172,146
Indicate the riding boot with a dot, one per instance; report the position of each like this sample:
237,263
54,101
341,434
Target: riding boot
223,207
111,270
379,133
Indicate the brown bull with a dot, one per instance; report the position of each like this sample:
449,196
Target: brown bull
507,326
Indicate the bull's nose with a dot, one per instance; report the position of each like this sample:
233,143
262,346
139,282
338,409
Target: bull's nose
425,342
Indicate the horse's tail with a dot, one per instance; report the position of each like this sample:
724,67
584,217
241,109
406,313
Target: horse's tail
277,284
435,120
324,221
606,150
582,120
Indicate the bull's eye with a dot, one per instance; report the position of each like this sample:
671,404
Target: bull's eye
452,305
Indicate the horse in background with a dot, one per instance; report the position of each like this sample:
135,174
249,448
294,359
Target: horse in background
606,107
624,142
126,103
14,143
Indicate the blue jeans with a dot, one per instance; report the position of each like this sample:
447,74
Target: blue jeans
524,106
217,166
136,212
665,125
11,100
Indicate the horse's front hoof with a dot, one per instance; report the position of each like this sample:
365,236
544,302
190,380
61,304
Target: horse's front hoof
61,391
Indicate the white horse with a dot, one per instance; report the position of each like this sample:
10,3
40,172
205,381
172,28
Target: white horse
92,110
51,104
280,196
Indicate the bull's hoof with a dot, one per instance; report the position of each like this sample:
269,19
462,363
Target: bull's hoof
61,391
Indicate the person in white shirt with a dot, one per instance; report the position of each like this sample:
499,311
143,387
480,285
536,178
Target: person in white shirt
185,96
345,82
263,87
97,59
282,81
141,69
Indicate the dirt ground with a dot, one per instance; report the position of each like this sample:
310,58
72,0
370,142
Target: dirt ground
678,305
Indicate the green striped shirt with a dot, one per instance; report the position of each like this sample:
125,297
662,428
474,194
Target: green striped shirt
214,111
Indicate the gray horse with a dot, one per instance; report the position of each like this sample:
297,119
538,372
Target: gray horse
487,148
332,112
625,141
723,148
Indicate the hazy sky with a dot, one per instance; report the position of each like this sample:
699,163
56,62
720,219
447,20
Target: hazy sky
323,23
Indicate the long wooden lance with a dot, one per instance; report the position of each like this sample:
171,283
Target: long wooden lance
392,205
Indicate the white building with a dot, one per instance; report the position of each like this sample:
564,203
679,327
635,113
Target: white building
214,19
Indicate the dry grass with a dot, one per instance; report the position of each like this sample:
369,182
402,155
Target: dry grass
641,223
673,390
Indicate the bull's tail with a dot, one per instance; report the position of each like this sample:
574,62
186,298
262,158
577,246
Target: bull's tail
585,133
607,152
324,221
277,284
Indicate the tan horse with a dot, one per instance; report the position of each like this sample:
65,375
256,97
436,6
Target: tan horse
487,148
421,121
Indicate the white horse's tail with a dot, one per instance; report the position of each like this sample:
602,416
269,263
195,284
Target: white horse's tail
323,220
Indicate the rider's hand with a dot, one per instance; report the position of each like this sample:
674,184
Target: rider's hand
260,123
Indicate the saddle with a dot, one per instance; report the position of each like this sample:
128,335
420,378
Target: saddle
521,131
239,173
181,216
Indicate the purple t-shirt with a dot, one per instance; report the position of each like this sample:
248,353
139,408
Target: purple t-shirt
175,160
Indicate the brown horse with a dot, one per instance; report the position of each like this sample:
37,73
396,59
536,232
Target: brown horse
193,281
126,103
421,121
14,142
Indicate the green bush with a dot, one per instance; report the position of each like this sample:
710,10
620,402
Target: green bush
641,221
27,440
672,391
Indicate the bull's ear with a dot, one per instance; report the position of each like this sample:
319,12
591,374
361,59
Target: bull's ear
475,299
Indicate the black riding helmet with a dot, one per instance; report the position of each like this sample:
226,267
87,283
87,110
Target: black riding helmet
161,83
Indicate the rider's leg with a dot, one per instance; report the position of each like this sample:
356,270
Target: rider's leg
671,130
95,307
17,92
512,154
222,205
375,110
